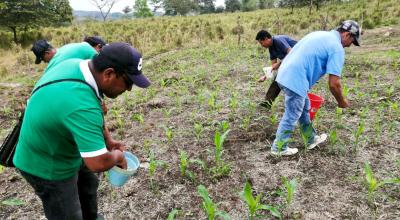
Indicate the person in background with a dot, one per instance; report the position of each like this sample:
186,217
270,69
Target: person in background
43,51
61,141
84,50
278,46
96,42
317,54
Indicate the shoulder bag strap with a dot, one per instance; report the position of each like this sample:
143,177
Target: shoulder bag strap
63,80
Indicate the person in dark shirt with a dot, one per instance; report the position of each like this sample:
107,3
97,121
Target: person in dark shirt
278,46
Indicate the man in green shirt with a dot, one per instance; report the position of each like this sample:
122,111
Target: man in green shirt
87,49
63,129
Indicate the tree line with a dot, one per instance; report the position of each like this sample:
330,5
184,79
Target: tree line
17,16
147,8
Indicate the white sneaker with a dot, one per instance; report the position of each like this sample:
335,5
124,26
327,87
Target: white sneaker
287,152
317,140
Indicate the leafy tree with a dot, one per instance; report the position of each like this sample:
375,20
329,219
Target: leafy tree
232,5
219,9
181,7
104,6
126,10
249,5
141,9
156,4
206,6
21,15
263,4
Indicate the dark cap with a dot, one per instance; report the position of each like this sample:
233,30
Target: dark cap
352,27
95,40
39,48
129,59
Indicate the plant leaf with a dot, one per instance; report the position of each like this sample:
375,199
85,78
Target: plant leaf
13,202
223,215
171,215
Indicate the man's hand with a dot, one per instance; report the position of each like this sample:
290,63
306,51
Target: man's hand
122,161
115,145
276,65
344,104
336,89
262,78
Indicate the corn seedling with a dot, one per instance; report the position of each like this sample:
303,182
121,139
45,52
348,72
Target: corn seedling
172,214
273,119
246,122
345,91
389,91
357,134
223,126
146,146
184,165
373,184
198,130
290,188
138,117
209,206
221,168
333,137
306,132
152,168
233,103
169,133
254,204
212,101
167,112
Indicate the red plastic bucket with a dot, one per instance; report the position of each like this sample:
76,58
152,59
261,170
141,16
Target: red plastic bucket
316,103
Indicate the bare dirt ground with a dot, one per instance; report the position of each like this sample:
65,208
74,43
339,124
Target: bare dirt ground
330,179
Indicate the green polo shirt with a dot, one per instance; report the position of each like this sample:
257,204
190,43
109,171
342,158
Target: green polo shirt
63,122
75,50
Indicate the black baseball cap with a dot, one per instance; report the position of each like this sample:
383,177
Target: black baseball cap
39,48
128,58
352,27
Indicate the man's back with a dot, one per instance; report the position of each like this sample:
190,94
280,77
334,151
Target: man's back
280,46
316,54
81,50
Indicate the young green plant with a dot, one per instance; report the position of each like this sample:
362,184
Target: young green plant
209,206
221,168
184,165
254,204
290,188
373,184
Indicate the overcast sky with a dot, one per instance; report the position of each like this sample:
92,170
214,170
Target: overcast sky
85,5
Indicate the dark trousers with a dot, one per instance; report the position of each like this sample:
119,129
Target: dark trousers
272,93
74,198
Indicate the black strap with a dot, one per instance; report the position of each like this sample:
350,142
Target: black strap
63,80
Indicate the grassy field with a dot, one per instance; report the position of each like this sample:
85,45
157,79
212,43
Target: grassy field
203,86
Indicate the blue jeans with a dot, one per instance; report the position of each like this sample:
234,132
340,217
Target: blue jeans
296,110
73,198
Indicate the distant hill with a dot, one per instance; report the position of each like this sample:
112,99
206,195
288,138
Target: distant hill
95,15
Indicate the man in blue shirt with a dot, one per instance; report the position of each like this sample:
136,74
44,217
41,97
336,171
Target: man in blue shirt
317,54
279,46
